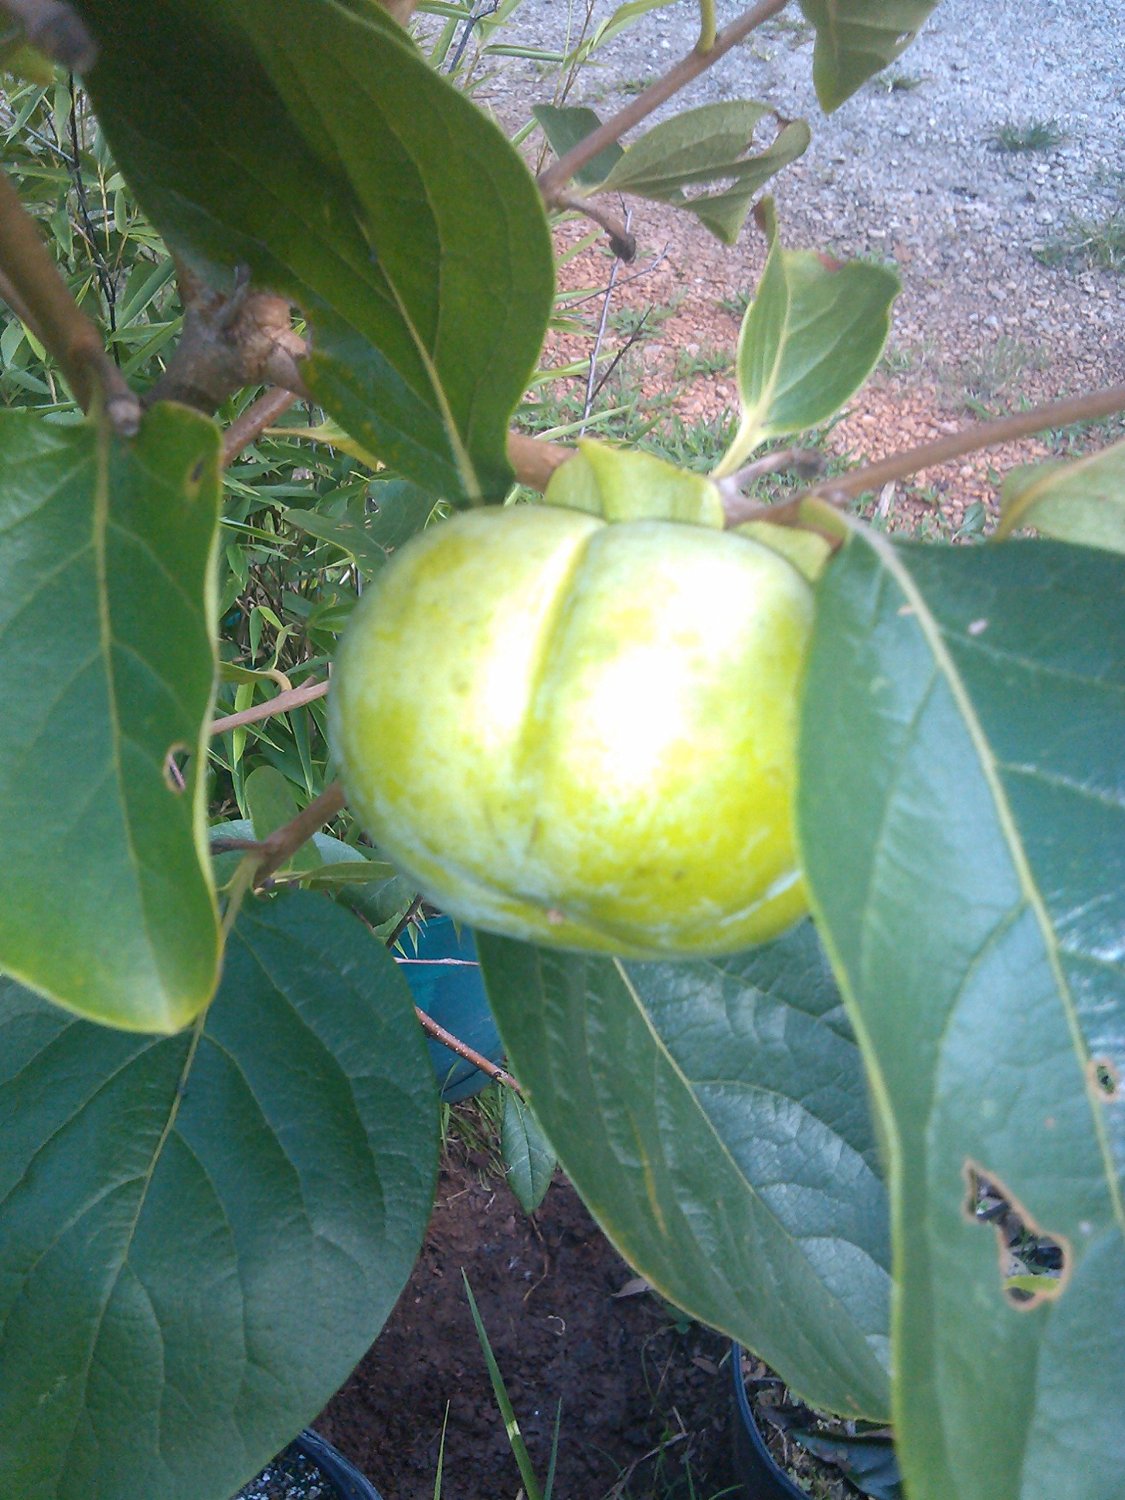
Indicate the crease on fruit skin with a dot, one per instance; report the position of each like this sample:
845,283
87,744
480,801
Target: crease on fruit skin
550,635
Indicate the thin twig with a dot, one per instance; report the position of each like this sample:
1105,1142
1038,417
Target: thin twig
569,305
634,338
462,1049
281,703
603,323
86,223
411,914
61,324
467,31
288,839
845,487
562,171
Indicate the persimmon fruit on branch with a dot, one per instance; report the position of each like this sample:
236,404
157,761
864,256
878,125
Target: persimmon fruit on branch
581,732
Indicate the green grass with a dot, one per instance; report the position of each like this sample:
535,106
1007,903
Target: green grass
703,362
1037,135
636,85
908,359
737,304
995,367
1082,438
1091,242
628,321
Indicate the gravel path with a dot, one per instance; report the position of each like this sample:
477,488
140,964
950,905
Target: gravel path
907,170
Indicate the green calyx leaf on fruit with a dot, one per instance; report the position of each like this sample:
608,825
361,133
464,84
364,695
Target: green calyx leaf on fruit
582,734
616,484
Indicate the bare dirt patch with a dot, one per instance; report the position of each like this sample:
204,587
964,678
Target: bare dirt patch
643,1398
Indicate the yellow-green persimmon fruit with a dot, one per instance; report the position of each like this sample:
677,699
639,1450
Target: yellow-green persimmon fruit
582,733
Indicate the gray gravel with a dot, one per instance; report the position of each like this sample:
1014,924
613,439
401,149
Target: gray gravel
910,173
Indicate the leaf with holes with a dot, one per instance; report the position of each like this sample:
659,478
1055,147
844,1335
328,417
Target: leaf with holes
310,142
709,145
962,820
714,1118
107,614
201,1234
809,340
856,39
1083,501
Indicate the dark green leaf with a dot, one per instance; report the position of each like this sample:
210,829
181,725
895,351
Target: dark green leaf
714,1118
107,613
856,39
527,1152
201,1234
309,141
962,818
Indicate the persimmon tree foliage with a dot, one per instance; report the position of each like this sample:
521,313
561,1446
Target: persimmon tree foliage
218,1122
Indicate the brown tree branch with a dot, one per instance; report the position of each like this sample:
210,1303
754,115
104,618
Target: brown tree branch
55,29
555,178
57,319
281,703
229,341
805,462
285,841
447,1039
535,460
900,465
259,415
621,241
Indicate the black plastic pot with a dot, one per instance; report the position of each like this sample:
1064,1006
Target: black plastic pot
760,1476
350,1483
866,1460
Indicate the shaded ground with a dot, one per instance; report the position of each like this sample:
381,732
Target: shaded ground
644,1400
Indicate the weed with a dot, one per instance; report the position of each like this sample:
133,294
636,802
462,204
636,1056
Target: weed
898,83
636,85
630,320
1091,242
693,445
994,367
794,29
737,304
908,359
702,362
972,527
1039,135
1084,437
470,1132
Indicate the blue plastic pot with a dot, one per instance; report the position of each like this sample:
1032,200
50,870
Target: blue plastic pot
349,1482
444,978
